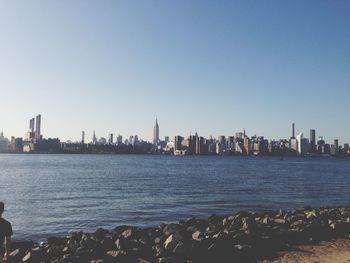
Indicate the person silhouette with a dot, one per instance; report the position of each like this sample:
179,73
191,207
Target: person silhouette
5,235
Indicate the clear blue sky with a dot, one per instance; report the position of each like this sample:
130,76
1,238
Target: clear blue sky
214,67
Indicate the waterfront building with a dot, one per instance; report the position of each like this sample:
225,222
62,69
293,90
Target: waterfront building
211,146
192,144
320,145
247,145
102,141
110,138
259,146
186,143
94,138
4,142
200,147
166,139
230,144
293,130
239,145
293,145
31,125
222,139
335,147
134,140
119,139
38,128
178,143
303,144
239,135
327,149
83,137
156,133
16,145
29,136
220,149
336,143
312,140
50,145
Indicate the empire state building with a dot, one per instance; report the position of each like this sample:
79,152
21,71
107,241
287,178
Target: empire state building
156,133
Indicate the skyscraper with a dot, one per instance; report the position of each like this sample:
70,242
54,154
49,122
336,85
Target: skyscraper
110,138
94,138
31,125
83,137
336,143
302,144
293,130
38,127
119,139
156,133
312,140
178,143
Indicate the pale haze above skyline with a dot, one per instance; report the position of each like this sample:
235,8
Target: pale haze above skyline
212,67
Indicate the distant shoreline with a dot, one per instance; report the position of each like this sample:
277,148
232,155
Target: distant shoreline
211,155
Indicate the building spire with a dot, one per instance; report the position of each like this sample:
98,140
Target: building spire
156,133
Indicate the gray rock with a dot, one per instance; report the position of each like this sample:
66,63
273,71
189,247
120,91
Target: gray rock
171,242
16,254
180,248
279,221
171,229
31,257
198,236
166,260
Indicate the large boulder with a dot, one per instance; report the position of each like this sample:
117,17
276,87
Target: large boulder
172,241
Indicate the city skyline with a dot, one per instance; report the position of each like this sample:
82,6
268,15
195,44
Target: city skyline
214,68
240,143
35,124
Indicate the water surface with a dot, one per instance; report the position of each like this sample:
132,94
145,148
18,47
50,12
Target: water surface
55,194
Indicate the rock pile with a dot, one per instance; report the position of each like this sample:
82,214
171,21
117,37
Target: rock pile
242,237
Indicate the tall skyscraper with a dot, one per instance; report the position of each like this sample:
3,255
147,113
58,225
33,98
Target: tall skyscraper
293,130
83,137
38,127
94,138
119,139
156,133
31,125
313,140
110,138
302,144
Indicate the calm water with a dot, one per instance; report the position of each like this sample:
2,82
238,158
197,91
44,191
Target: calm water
55,194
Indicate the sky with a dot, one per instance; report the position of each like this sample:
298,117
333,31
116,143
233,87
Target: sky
212,67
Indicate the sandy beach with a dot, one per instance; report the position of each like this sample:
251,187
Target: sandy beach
334,251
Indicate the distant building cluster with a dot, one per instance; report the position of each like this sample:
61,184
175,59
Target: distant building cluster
237,144
241,144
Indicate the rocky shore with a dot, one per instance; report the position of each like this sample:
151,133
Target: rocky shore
241,237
